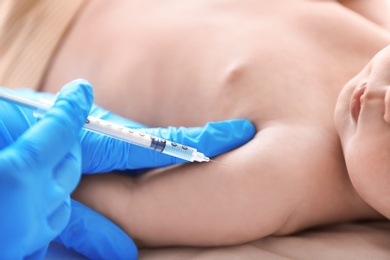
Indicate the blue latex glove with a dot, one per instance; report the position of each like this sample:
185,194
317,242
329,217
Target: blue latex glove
101,154
94,236
39,169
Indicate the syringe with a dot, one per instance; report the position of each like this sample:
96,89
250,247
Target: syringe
122,133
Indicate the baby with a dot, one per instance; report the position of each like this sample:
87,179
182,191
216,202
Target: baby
280,64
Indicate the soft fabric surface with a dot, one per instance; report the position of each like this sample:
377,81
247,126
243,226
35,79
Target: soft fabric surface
348,241
30,32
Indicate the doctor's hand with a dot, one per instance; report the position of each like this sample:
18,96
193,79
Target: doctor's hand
103,154
95,236
39,169
87,230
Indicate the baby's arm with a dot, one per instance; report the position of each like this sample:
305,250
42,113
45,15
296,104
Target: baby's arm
377,11
272,185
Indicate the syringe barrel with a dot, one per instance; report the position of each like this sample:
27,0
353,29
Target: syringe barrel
118,132
179,151
140,138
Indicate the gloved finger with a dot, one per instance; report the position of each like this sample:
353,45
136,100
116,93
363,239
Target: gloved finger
94,236
213,139
110,154
100,153
64,179
52,137
66,173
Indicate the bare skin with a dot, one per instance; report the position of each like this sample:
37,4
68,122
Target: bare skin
280,64
362,118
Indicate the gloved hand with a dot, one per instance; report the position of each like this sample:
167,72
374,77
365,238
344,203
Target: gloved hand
103,154
96,237
39,169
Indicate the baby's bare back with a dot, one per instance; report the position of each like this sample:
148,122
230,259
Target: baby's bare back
280,64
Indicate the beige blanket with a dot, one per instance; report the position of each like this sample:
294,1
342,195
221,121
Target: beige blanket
369,240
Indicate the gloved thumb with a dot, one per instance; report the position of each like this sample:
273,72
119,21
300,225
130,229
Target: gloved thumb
60,126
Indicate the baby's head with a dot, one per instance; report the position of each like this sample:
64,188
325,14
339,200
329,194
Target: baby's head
362,119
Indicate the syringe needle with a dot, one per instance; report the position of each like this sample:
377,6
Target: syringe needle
224,164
